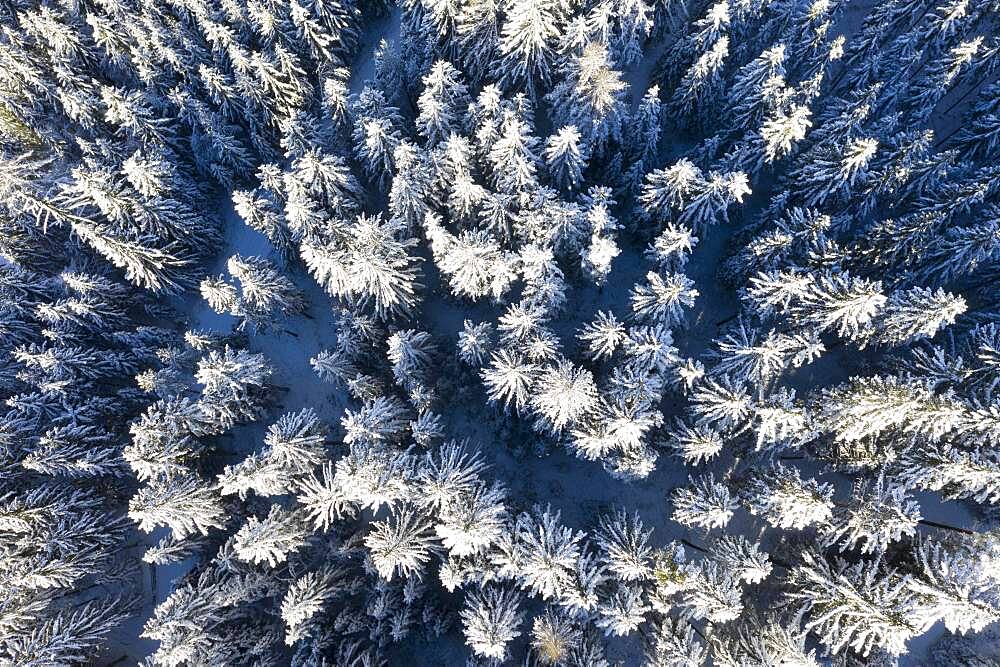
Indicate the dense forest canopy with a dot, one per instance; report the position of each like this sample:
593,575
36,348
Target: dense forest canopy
543,332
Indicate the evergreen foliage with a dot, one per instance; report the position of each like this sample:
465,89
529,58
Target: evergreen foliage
730,267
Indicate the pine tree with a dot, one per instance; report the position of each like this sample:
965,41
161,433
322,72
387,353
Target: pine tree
527,42
561,395
764,641
785,500
955,473
835,173
513,157
297,440
700,85
782,131
603,336
743,558
545,552
373,267
979,137
858,606
870,406
839,300
264,291
508,379
554,636
306,597
591,96
444,97
69,635
402,544
644,129
473,521
706,503
624,545
566,157
694,444
758,87
661,299
917,313
713,594
490,621
474,342
674,642
272,539
722,403
478,36
186,505
951,587
623,612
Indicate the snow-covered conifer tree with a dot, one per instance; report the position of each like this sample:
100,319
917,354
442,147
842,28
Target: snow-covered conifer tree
401,544
713,594
786,500
591,96
491,619
562,394
661,299
706,503
184,504
264,291
566,156
554,637
624,546
272,539
860,606
951,587
444,98
508,379
528,41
